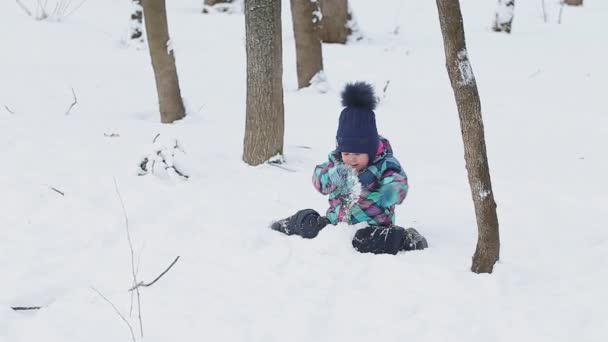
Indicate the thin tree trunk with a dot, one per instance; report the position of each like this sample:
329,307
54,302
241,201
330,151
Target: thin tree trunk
503,17
334,24
471,124
306,18
264,125
163,61
574,2
137,15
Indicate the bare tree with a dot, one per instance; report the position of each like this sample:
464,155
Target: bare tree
503,17
264,126
335,21
574,2
163,61
137,16
306,18
471,124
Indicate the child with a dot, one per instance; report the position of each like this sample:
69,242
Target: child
364,182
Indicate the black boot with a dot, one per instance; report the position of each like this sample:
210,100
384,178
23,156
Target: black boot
413,240
388,240
306,223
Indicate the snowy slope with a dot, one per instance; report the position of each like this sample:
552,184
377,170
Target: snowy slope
546,118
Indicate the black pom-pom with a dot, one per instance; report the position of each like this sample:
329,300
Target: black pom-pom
359,94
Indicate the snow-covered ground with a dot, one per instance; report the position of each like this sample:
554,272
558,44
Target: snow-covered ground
543,92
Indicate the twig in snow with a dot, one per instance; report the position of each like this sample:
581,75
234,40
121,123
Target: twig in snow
118,312
304,147
142,284
385,88
280,166
544,11
57,191
25,308
73,103
8,109
124,210
156,137
27,11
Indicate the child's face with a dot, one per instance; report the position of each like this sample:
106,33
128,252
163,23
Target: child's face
358,161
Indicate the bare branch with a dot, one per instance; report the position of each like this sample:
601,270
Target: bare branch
118,312
24,8
142,284
124,210
25,308
73,103
9,110
156,137
57,191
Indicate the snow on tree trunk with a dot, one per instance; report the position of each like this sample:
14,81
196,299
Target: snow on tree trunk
306,18
163,61
503,17
471,124
264,125
574,2
137,15
335,27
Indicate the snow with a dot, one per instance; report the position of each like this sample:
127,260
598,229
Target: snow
465,71
546,125
505,10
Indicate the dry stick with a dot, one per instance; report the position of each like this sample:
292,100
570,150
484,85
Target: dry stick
73,103
57,191
24,308
124,210
75,8
118,312
142,284
544,11
9,110
156,137
24,8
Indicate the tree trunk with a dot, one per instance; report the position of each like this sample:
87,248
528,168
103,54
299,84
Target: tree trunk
334,22
306,17
264,125
574,2
471,124
163,61
503,17
137,15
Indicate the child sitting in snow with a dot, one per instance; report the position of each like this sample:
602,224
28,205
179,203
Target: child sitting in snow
364,182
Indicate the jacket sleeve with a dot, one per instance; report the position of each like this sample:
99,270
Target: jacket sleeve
376,206
321,179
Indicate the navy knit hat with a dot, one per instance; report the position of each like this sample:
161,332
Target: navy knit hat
357,132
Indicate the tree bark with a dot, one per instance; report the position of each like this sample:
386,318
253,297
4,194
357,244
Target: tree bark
574,2
264,125
163,61
503,17
137,15
471,124
306,18
334,22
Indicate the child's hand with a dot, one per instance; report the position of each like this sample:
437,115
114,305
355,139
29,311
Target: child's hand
345,178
